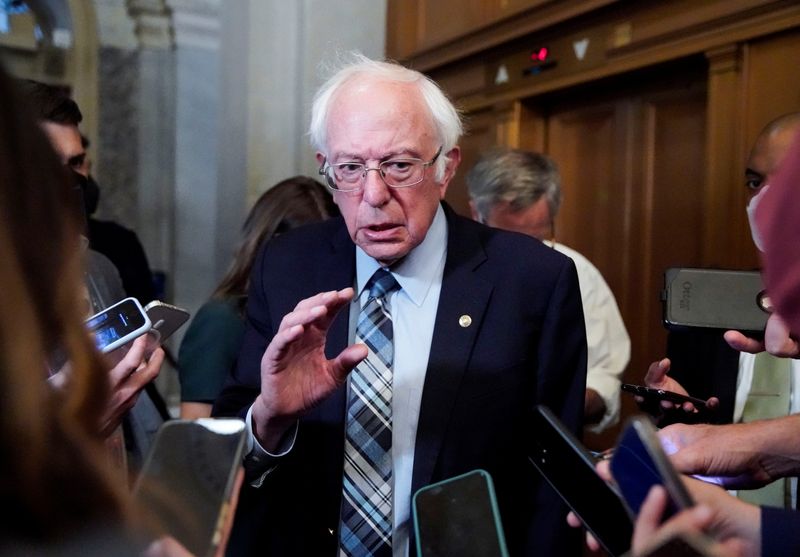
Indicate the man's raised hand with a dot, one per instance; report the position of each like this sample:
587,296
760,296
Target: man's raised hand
295,373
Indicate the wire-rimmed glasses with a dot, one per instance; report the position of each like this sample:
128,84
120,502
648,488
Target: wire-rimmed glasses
395,173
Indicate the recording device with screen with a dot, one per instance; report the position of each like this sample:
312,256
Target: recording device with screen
188,480
570,470
714,298
639,463
459,516
118,325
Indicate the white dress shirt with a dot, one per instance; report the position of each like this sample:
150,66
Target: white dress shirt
607,341
413,310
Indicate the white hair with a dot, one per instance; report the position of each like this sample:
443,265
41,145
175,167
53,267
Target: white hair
445,116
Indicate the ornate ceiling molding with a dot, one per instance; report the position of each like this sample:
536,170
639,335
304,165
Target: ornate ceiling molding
153,23
197,22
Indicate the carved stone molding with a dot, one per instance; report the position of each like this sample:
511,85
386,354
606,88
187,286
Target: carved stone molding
153,20
196,22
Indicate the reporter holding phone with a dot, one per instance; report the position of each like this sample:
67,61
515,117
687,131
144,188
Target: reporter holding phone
136,405
58,491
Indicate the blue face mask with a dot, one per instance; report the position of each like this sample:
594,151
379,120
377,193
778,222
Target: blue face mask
752,205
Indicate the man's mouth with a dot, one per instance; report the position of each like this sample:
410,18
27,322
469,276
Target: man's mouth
381,227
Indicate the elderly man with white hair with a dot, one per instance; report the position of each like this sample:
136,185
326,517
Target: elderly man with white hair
399,345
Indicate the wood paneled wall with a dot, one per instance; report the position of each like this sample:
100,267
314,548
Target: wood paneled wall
651,136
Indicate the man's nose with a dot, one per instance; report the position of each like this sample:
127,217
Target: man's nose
376,192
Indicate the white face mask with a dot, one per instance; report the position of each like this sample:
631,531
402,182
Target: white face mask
751,217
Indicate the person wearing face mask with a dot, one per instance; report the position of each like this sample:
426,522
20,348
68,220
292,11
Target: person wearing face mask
728,368
138,410
119,244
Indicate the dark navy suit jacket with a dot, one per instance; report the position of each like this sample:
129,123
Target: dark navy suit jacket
526,345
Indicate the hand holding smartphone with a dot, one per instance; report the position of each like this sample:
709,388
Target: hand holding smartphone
714,298
570,470
650,394
188,484
166,318
639,463
118,325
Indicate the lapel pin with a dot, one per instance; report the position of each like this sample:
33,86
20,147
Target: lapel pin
465,321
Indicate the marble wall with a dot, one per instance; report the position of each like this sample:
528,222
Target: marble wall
203,105
115,165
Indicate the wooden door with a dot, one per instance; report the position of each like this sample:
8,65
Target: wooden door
632,158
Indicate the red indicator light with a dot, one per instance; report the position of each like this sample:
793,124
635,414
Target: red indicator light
539,55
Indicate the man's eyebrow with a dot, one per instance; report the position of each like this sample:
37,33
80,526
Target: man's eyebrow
397,153
751,171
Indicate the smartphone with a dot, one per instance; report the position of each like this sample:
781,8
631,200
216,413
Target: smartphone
188,479
459,516
118,325
714,298
649,393
570,470
166,318
639,463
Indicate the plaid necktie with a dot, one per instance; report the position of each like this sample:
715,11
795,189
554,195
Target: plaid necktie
366,527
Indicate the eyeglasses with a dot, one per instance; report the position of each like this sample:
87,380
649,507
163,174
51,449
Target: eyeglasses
395,173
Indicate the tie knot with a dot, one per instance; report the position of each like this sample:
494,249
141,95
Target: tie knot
382,283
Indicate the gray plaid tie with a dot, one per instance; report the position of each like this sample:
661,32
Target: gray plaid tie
366,527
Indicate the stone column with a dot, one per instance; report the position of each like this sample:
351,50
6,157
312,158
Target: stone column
156,134
197,101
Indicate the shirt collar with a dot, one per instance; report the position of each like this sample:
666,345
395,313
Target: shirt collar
417,271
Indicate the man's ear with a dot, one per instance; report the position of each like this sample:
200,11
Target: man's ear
320,158
453,158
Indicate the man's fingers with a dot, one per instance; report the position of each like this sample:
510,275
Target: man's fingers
777,340
742,343
649,517
656,373
349,358
320,299
340,300
575,522
319,310
281,343
149,371
603,469
130,362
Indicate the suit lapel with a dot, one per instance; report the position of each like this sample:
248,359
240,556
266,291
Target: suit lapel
339,264
462,304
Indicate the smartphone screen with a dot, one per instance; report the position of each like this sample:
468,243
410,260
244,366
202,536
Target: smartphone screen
459,516
118,324
639,463
569,469
188,479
